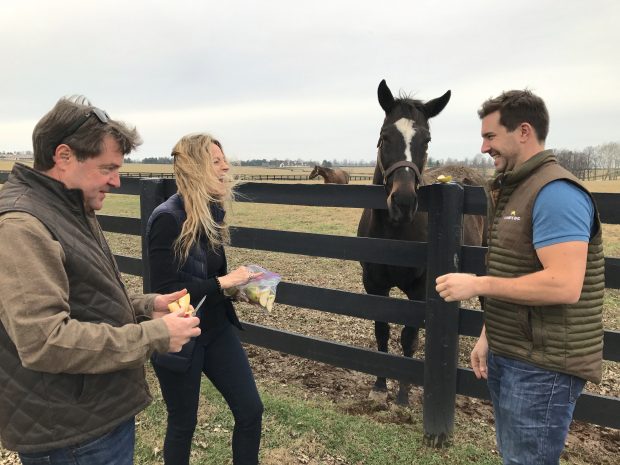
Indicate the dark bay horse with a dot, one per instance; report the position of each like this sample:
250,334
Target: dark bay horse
334,176
401,158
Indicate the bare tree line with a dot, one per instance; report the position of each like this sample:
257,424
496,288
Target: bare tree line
595,162
598,162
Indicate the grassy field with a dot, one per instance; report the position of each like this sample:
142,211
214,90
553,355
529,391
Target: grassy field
315,414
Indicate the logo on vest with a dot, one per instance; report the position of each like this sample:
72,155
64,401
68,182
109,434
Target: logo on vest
513,216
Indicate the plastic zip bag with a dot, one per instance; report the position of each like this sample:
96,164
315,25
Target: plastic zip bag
260,290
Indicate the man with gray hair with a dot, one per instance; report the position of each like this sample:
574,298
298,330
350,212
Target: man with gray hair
73,342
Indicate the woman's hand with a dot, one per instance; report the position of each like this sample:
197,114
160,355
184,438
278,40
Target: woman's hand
237,277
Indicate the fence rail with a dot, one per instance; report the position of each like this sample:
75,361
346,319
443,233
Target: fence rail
241,177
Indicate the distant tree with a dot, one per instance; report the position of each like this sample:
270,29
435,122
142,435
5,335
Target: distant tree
158,160
609,157
575,162
254,162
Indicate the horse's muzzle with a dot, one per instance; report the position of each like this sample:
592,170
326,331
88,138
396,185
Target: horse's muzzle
402,207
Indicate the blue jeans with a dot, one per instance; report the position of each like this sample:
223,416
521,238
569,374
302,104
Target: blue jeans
113,448
533,410
219,355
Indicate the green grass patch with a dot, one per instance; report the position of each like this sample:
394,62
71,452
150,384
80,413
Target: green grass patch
121,205
311,431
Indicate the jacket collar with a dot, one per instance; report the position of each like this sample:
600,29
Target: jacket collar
73,198
523,171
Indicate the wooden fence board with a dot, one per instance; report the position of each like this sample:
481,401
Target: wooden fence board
120,224
334,353
369,307
386,251
607,205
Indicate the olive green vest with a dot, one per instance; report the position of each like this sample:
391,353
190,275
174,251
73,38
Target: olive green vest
563,338
41,411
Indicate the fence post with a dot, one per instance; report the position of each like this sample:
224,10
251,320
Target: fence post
152,193
445,226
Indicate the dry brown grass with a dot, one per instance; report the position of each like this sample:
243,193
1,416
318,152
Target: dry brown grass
612,187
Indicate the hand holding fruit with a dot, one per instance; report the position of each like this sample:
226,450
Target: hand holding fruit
182,305
160,305
181,329
252,284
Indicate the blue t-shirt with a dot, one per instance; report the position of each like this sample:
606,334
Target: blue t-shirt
562,213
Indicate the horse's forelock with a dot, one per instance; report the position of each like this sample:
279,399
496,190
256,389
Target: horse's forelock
407,108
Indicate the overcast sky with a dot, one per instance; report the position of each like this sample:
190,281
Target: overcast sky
290,79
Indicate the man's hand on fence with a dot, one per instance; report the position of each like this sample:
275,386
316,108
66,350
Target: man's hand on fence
456,286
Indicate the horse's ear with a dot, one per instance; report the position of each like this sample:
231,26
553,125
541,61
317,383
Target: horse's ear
386,100
434,107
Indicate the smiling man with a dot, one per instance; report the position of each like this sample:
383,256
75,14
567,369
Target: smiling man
543,332
72,340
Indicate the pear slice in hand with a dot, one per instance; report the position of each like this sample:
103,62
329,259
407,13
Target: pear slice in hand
184,303
181,304
174,306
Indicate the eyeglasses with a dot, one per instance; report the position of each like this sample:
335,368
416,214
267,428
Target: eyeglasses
101,115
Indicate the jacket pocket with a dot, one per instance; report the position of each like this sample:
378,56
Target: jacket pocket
524,319
535,318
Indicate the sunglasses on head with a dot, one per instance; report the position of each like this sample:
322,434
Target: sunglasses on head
101,115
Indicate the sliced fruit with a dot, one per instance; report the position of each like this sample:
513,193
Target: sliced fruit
181,304
174,306
263,297
184,302
253,293
444,178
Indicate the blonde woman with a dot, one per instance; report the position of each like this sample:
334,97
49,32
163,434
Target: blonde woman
186,236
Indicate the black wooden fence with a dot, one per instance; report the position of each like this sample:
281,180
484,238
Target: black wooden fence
592,408
241,177
252,177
